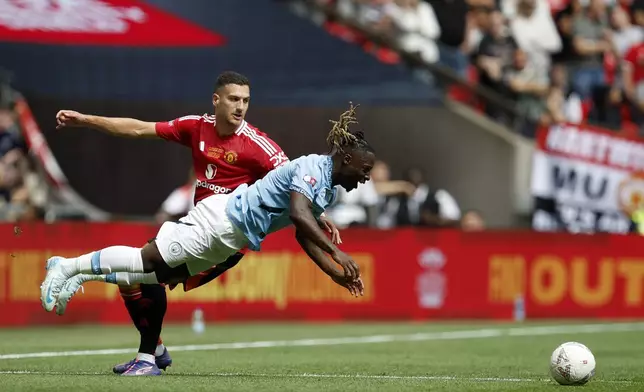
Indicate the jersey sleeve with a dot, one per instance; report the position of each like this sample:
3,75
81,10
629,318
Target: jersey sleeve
270,155
179,130
305,180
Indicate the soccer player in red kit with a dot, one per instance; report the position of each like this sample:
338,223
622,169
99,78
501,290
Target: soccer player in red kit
226,152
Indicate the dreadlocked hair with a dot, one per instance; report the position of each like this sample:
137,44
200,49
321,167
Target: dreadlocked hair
340,137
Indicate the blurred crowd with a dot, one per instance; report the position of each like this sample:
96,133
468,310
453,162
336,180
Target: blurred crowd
553,60
385,203
380,203
22,193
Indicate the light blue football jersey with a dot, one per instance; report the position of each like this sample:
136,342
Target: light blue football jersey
264,207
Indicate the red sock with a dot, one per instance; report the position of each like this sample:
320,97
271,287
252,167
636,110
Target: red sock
146,305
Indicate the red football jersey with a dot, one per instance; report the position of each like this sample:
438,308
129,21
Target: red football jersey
223,164
635,58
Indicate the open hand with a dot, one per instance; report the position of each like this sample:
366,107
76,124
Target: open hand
355,287
350,267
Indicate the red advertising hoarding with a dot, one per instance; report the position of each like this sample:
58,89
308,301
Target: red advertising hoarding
409,275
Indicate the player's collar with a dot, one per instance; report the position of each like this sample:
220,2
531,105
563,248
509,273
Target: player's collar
329,170
241,127
328,191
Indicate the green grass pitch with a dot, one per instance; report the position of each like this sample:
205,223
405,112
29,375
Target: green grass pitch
430,356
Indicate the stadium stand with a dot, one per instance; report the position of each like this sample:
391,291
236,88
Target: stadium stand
285,68
32,185
576,61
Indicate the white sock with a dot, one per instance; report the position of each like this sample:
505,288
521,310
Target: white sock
145,357
159,350
130,278
88,277
105,261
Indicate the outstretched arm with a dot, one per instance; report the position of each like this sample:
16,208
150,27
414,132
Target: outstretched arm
124,127
320,258
305,223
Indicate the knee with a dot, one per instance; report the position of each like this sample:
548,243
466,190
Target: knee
130,292
156,291
151,258
172,275
128,289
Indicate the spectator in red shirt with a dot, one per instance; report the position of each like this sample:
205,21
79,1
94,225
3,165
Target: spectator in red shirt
633,71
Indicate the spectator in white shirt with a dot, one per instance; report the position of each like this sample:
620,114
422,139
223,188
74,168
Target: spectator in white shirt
564,105
625,35
440,209
407,208
179,202
353,207
365,204
535,32
416,27
420,207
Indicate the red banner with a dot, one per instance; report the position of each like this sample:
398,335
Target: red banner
409,274
98,22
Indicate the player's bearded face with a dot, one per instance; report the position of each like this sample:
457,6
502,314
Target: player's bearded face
231,103
356,168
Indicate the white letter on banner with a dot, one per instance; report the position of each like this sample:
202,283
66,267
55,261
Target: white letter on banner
619,153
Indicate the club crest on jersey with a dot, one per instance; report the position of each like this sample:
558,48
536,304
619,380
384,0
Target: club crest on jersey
230,157
310,180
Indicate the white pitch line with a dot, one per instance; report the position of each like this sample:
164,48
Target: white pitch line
295,375
315,375
416,337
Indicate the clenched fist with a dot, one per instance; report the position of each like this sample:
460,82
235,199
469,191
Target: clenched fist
69,118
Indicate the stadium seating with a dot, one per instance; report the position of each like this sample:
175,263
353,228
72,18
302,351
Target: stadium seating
278,64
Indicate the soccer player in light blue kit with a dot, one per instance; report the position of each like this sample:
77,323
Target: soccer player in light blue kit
220,225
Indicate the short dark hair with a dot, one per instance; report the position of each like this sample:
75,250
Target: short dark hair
231,77
637,6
